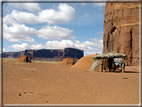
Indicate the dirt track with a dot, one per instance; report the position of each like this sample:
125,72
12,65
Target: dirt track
44,83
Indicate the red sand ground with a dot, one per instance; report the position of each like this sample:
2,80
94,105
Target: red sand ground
43,83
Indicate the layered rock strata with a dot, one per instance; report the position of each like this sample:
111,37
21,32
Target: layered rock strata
121,30
48,53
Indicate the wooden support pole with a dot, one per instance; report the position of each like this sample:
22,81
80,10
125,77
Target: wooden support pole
109,64
33,56
29,56
104,66
123,66
113,64
67,61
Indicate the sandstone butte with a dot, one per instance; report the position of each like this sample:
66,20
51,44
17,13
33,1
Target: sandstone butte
121,30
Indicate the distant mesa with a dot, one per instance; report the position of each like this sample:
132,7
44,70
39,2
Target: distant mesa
50,54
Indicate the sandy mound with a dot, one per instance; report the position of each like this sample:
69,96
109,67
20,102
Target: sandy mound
67,61
24,58
85,62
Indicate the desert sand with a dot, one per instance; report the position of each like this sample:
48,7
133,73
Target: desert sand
53,83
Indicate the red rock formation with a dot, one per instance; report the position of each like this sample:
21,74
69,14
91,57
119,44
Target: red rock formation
121,30
53,54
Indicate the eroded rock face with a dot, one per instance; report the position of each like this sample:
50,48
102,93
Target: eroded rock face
46,53
72,52
53,54
121,30
13,54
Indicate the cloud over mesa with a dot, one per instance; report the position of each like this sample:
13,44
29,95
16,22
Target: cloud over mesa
89,47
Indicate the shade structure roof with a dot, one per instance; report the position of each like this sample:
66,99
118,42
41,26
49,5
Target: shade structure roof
110,55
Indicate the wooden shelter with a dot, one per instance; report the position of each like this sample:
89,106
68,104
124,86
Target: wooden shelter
24,58
104,58
32,55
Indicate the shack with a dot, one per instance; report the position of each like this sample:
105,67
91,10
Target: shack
100,61
32,55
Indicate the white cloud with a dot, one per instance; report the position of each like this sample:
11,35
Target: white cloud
21,47
86,14
20,17
18,33
32,7
89,47
64,13
4,50
38,46
97,41
24,46
8,19
18,29
55,32
59,44
100,32
15,32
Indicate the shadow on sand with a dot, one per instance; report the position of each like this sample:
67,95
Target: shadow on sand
126,72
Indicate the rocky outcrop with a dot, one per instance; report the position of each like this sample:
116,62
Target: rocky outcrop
13,54
46,53
72,52
121,30
53,54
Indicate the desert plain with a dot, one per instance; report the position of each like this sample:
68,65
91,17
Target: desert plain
49,82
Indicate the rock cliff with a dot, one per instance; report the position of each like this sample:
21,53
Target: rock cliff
13,54
72,52
121,30
53,54
46,53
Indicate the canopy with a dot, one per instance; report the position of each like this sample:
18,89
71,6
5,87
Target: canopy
109,55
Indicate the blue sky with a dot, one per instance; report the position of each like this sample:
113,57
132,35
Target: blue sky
53,26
